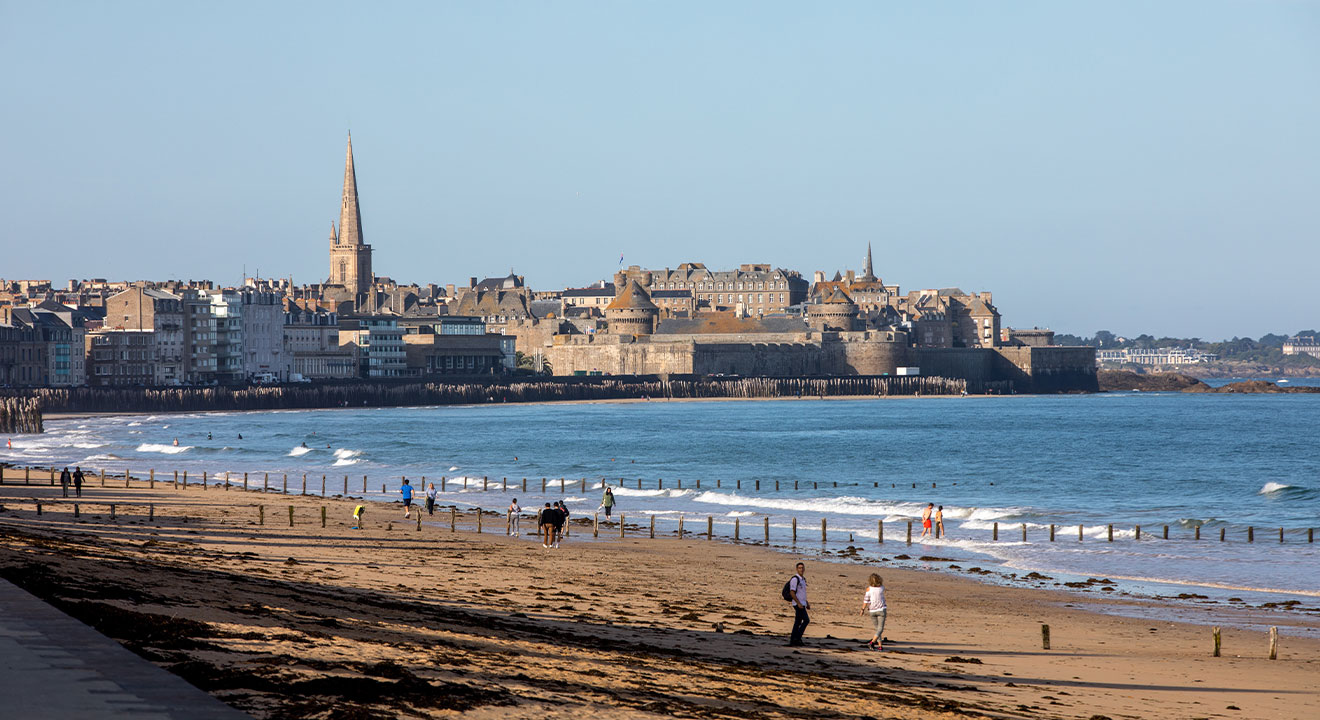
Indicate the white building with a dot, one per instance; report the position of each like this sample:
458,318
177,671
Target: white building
263,349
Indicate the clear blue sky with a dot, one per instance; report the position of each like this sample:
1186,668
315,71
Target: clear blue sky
1132,166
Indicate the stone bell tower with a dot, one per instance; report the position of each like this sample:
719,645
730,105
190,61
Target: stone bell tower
350,258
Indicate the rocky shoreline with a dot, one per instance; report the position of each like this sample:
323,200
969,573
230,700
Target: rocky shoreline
1126,381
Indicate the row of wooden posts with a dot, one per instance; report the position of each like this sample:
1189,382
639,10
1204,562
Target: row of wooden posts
622,526
178,481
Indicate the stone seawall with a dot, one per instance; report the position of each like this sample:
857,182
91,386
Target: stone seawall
405,394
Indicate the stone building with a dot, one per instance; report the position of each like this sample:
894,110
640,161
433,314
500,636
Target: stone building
120,358
141,308
632,312
351,278
263,334
758,288
376,343
311,342
23,361
60,331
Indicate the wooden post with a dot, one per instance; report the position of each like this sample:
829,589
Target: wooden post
1044,637
27,476
795,531
304,489
226,481
652,526
322,486
996,531
286,484
112,511
75,510
659,483
1079,532
680,483
1310,535
345,486
698,483
737,529
419,520
151,511
1214,633
880,531
1251,534
38,509
766,525
909,532
364,484
102,477
595,525
1137,530
1051,532
1198,532
151,478
205,479
822,530
1166,532
290,516
561,485
1024,532
442,484
128,475
1274,643
1221,534
583,486
710,528
176,479
680,526
323,516
758,486
261,514
776,486
485,482
452,514
1280,534
1111,534
524,486
245,479
621,525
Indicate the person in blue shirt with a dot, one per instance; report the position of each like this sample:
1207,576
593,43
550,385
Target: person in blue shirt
407,492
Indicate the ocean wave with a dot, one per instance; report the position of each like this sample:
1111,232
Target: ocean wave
452,469
89,446
345,453
841,505
341,462
165,449
1273,487
739,513
299,451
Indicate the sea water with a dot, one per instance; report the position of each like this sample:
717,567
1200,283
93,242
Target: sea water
1126,459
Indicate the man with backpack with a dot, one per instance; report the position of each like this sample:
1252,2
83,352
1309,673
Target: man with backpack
795,591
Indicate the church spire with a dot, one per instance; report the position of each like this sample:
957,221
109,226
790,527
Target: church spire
868,273
334,234
350,215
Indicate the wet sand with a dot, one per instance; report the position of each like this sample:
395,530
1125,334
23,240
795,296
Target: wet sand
390,621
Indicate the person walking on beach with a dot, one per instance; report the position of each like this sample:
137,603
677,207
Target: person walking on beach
548,520
561,529
608,501
77,480
925,520
407,492
939,522
65,479
873,604
430,499
515,514
797,594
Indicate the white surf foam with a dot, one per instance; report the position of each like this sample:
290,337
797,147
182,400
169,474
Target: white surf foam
346,454
345,461
164,449
1272,487
299,451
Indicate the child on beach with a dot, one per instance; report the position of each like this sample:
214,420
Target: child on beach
407,492
430,499
873,604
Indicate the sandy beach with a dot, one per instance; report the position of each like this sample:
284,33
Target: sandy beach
390,621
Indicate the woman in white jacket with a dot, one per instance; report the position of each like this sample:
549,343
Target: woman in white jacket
873,604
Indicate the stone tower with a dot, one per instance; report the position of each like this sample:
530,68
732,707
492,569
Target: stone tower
868,273
632,312
836,313
350,258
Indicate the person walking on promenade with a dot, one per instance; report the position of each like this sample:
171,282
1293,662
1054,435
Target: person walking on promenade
77,480
607,502
925,520
515,514
407,492
939,522
65,479
873,604
796,589
430,499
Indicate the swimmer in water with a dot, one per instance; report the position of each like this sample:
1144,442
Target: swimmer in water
240,436
176,442
208,436
304,443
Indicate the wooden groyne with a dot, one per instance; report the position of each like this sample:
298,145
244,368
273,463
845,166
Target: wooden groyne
20,415
402,394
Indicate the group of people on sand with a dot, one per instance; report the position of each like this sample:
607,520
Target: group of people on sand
932,522
874,607
75,479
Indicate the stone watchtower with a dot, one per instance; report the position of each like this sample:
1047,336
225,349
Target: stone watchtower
837,312
632,312
350,258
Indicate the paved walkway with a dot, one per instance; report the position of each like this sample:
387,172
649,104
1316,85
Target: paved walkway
53,666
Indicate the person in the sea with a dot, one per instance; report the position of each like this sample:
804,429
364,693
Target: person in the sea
939,522
797,591
873,604
304,443
406,491
65,479
77,481
430,499
515,514
240,436
208,436
925,520
607,502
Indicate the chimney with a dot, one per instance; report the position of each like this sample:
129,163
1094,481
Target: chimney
472,282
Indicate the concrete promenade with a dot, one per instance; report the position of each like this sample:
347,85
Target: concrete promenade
53,666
